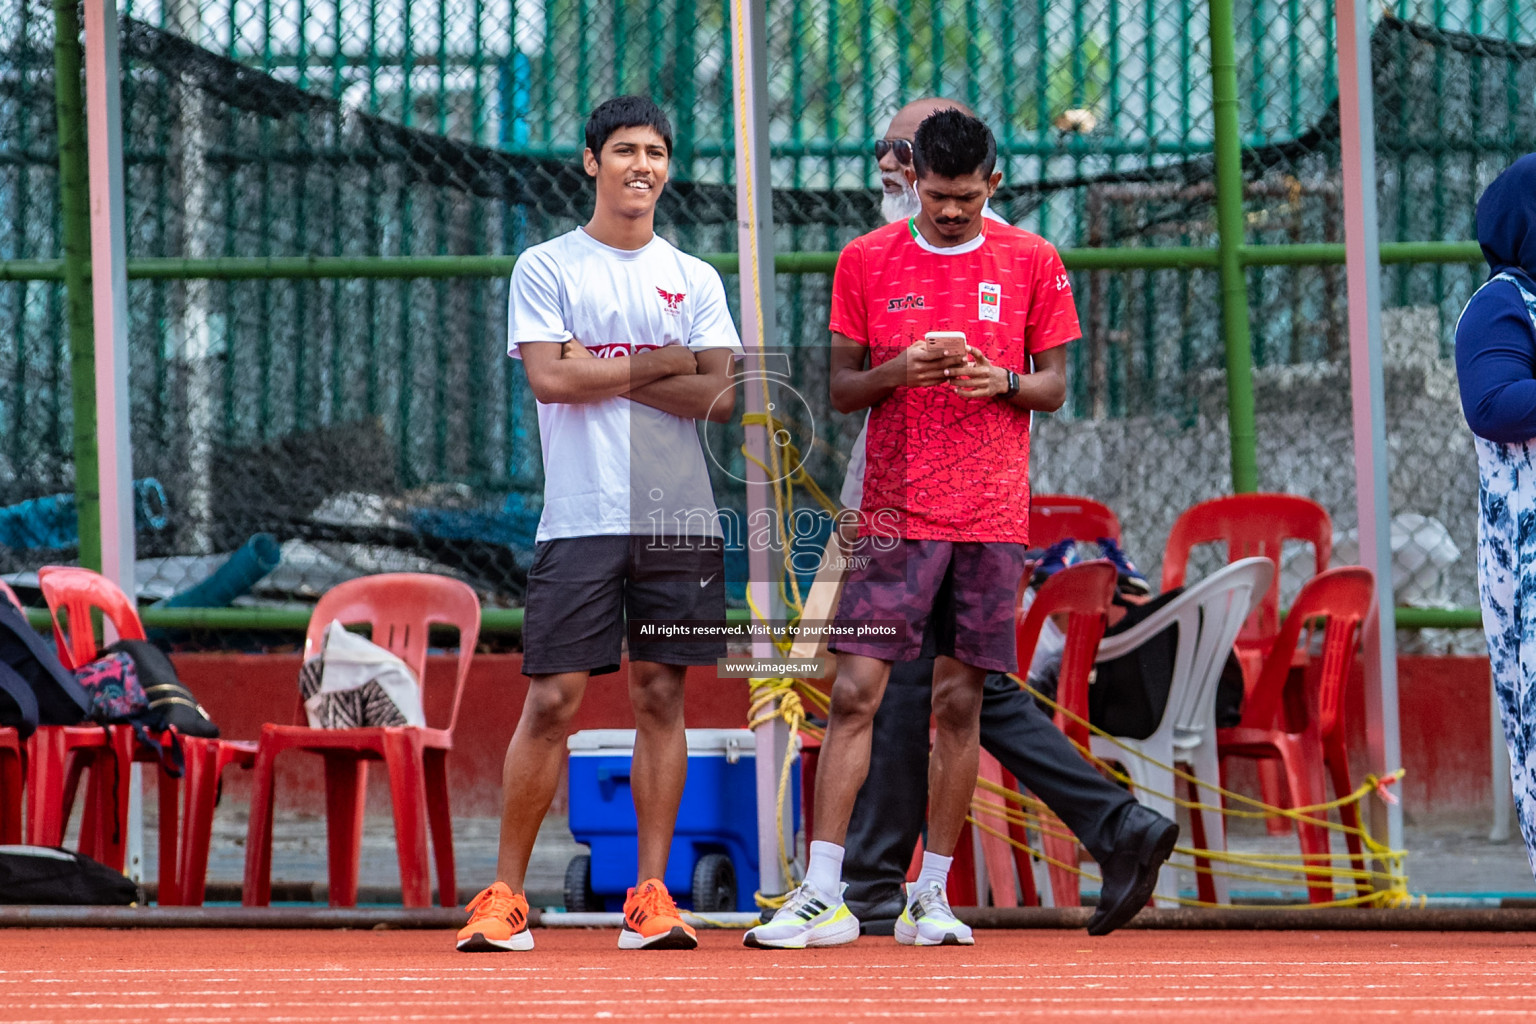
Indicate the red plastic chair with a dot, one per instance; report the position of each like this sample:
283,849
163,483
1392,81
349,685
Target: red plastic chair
77,593
400,607
1344,598
206,761
1253,525
1055,517
58,755
12,775
184,837
1084,593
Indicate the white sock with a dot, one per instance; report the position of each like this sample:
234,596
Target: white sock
935,869
826,870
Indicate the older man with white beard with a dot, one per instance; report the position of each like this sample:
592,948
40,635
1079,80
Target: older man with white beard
1129,841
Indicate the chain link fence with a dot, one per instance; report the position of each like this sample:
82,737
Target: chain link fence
1458,107
35,415
364,418
1454,105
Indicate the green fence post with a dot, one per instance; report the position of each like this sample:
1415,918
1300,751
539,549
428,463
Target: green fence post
74,189
1230,231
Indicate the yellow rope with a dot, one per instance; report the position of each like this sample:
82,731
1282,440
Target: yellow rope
789,581
1381,898
1312,869
787,699
798,476
1276,862
774,698
1300,814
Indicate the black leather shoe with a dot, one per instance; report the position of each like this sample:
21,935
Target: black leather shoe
1145,841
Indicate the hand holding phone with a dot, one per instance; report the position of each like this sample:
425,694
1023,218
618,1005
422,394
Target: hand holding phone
949,343
929,361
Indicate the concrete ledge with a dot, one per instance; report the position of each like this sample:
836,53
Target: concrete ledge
320,892
231,917
1437,919
1450,919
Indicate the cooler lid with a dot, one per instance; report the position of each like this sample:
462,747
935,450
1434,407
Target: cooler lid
741,742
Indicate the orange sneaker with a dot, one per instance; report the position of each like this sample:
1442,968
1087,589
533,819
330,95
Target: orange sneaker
651,920
498,922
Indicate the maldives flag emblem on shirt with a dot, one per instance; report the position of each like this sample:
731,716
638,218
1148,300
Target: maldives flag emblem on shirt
989,301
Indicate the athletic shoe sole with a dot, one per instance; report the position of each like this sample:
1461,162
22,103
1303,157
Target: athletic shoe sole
520,942
676,938
909,935
839,934
1156,848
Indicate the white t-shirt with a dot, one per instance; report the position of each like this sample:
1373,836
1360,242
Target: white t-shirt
618,467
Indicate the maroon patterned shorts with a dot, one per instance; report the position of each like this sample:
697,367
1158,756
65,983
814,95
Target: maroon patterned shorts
970,590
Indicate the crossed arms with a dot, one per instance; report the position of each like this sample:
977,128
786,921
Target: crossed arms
673,378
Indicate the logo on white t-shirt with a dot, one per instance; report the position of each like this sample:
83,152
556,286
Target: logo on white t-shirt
674,301
617,349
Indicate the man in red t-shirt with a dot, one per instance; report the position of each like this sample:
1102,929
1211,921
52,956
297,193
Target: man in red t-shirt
945,513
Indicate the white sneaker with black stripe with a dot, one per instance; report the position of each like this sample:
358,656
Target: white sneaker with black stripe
807,918
927,920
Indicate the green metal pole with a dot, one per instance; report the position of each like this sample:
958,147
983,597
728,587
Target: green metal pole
1229,228
74,189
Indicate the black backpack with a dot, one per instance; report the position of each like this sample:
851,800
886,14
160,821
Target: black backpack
1130,693
18,707
49,876
41,689
165,692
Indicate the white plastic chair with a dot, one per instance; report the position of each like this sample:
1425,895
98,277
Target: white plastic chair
1209,615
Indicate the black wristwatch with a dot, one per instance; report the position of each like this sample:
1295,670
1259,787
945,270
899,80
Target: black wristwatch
1013,386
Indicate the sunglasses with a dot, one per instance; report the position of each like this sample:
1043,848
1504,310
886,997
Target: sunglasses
901,147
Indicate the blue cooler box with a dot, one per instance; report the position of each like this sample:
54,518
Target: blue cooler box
718,813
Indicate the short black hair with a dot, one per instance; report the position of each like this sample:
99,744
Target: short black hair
953,144
626,112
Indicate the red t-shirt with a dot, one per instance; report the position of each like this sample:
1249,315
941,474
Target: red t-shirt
939,466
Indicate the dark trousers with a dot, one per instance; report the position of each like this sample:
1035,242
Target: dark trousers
892,806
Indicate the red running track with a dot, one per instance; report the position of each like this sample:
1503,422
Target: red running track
300,977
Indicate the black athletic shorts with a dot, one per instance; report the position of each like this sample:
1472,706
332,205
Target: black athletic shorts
581,590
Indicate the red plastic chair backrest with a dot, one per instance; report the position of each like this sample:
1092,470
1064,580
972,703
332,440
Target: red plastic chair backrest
1251,525
1345,598
401,608
10,595
1055,517
77,593
1084,592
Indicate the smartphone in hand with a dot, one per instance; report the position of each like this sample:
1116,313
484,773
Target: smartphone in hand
950,343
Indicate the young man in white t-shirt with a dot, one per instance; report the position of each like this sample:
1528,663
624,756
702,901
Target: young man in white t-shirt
626,342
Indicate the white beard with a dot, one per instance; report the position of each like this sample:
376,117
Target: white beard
895,206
